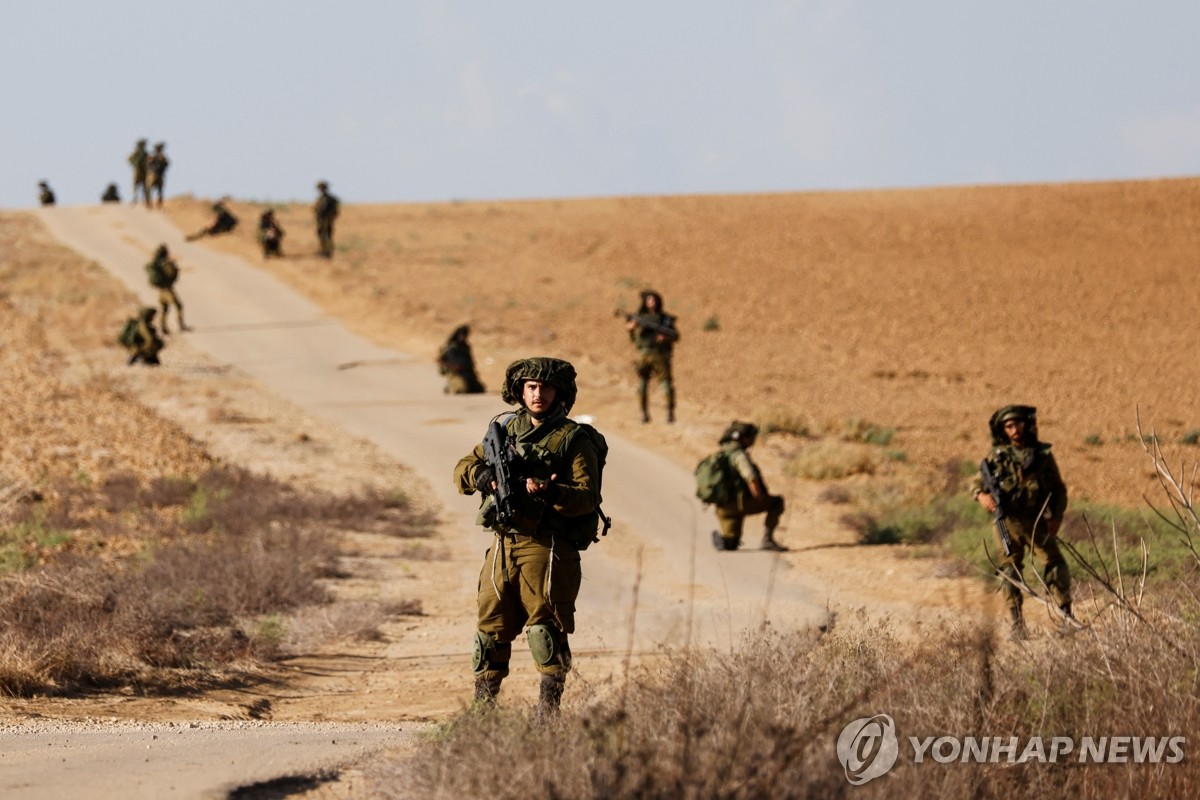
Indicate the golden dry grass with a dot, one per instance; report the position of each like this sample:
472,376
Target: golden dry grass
919,310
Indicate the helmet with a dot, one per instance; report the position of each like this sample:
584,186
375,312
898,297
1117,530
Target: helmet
161,251
648,293
739,432
322,186
159,145
148,312
554,371
1028,414
461,332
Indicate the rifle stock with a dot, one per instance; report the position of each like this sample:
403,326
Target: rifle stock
991,487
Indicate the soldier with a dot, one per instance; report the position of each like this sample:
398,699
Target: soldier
111,195
45,194
653,333
222,221
270,234
749,494
163,272
138,160
1033,498
141,339
326,211
156,167
458,365
531,573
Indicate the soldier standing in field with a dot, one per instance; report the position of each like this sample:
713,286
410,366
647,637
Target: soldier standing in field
653,333
326,211
748,495
1033,498
458,365
139,159
163,272
531,573
156,169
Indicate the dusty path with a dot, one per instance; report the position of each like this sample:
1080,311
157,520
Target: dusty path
245,320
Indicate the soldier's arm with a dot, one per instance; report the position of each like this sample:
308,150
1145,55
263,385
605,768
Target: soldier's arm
578,493
464,471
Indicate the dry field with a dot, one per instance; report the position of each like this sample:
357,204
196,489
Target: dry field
919,311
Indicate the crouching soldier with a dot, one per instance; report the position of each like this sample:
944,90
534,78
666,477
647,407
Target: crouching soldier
456,362
741,490
541,503
140,338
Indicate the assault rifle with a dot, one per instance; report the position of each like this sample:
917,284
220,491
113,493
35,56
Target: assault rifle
499,454
993,488
666,329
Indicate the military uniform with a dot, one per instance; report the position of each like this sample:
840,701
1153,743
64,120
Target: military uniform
270,234
139,159
223,221
140,338
653,333
458,365
156,169
45,194
111,195
732,516
531,573
163,273
1034,499
326,211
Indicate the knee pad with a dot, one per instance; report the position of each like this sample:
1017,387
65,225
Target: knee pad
487,654
544,644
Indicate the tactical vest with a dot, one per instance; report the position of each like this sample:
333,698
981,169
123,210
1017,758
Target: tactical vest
1022,479
545,457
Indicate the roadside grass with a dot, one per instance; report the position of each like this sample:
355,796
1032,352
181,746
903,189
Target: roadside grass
764,720
225,567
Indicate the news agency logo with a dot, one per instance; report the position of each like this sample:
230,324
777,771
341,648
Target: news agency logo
868,748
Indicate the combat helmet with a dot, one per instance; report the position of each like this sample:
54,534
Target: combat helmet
554,371
322,186
1026,413
147,313
739,432
161,251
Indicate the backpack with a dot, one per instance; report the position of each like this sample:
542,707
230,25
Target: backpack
582,531
129,334
716,481
162,273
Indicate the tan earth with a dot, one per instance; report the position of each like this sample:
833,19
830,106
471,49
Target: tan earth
919,311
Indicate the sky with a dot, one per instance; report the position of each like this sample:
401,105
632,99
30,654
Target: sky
416,101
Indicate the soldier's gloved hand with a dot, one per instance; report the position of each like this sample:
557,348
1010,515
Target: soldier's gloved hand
485,479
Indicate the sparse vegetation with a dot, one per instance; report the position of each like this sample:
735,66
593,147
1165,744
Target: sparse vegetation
830,460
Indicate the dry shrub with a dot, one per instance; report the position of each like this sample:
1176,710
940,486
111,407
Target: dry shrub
831,460
763,722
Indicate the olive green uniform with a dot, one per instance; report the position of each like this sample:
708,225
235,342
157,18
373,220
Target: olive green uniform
457,364
326,211
531,573
654,357
162,273
1031,491
144,344
732,516
156,174
139,159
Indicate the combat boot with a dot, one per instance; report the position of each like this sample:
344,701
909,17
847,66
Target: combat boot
1019,632
769,543
550,693
486,691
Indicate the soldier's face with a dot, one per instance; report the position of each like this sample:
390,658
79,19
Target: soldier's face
538,397
651,303
1015,430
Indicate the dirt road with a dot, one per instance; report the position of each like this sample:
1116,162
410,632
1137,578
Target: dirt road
248,321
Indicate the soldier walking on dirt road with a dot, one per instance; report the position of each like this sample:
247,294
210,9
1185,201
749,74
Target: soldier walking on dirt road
539,472
653,333
163,272
1032,498
139,159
